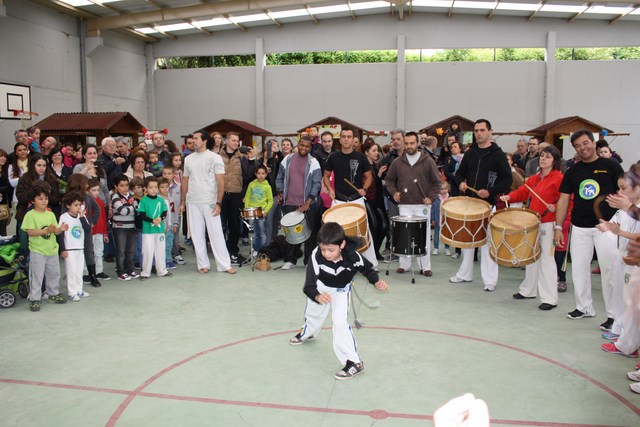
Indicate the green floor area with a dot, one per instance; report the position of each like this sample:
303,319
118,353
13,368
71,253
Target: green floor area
212,350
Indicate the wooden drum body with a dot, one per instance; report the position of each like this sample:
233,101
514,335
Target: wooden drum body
464,222
514,237
353,219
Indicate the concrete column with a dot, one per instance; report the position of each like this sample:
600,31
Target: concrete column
261,63
400,83
550,78
151,86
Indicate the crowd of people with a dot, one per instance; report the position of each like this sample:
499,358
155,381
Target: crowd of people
139,205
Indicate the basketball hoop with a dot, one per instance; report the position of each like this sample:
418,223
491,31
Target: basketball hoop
25,116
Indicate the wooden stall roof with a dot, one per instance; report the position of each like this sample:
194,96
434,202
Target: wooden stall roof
73,123
465,124
227,125
331,120
580,122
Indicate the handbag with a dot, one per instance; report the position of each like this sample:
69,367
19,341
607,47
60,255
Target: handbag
5,212
263,263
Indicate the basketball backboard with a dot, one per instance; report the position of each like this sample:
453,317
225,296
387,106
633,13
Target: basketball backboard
14,97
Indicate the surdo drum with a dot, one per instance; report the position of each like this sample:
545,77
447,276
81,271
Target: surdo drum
353,219
296,228
514,237
464,222
409,235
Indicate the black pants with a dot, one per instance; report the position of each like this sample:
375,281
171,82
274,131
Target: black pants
559,257
231,205
378,224
310,244
126,245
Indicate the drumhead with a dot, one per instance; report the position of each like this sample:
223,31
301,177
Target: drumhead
409,219
466,205
344,214
515,219
292,218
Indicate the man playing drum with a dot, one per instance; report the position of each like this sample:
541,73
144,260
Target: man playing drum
298,185
413,182
484,168
351,171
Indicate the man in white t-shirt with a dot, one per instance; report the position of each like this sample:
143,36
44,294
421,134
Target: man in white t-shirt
202,191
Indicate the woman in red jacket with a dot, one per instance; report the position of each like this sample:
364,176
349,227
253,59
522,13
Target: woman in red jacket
541,277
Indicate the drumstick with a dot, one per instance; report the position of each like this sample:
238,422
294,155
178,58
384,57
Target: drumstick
472,189
419,189
547,205
351,184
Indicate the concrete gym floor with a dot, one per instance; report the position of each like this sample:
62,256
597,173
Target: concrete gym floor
212,350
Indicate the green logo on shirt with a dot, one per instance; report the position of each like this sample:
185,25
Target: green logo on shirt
589,189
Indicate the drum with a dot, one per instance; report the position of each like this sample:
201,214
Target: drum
296,228
353,219
464,222
514,237
251,214
409,235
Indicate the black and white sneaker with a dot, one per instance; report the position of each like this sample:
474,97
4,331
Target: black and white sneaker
350,370
577,314
607,324
297,340
237,259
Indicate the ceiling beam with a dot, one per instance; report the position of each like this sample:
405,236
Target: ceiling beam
228,18
450,14
535,12
275,21
164,33
194,23
574,17
495,7
619,17
195,11
353,14
312,15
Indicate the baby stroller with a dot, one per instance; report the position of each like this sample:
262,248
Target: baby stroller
14,277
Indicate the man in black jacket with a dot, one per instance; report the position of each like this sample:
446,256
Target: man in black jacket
484,168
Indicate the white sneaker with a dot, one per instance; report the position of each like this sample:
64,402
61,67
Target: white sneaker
288,266
489,287
456,279
179,260
447,252
634,376
435,252
254,254
75,298
635,387
84,294
455,255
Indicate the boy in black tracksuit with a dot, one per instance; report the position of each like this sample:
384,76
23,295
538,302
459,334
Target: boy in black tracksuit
330,272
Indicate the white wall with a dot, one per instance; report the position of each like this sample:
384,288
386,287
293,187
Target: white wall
41,48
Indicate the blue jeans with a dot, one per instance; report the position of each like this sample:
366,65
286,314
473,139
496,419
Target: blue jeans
436,236
259,234
168,236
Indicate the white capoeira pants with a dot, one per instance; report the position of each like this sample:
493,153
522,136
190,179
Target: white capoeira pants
621,275
201,223
344,343
629,340
542,275
422,211
583,240
370,253
73,266
153,247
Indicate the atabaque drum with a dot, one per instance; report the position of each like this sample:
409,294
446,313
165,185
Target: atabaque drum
295,227
353,219
251,214
464,222
409,235
514,237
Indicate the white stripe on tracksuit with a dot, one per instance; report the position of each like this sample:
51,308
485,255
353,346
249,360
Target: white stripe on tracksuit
344,343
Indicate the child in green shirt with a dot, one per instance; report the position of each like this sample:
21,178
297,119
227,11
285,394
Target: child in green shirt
40,225
152,210
259,195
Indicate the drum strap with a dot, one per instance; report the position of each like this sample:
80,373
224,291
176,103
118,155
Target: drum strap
344,198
